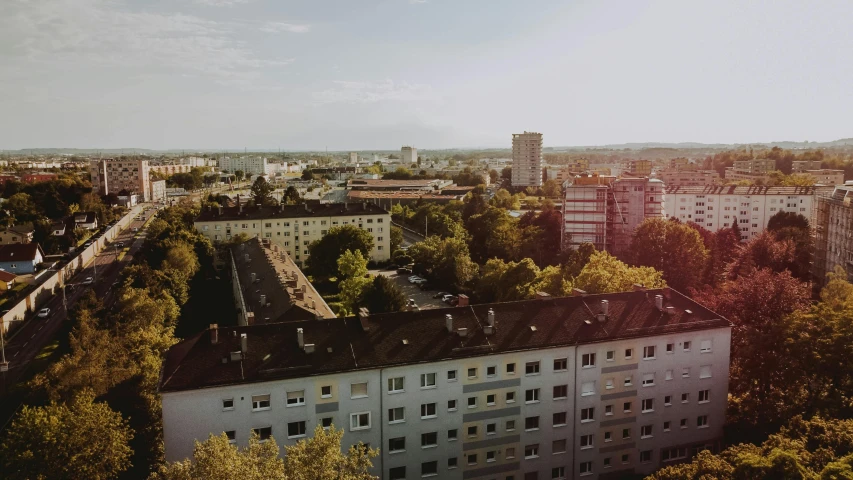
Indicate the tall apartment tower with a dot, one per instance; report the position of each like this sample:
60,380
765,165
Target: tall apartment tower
409,155
113,176
527,159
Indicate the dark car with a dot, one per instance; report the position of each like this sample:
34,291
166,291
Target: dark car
404,270
440,295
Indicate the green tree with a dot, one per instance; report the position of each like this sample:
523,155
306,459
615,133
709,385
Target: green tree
20,209
262,192
320,458
784,219
604,273
446,260
551,188
240,175
503,199
81,439
383,296
307,174
494,176
291,196
401,173
396,238
324,253
494,234
673,248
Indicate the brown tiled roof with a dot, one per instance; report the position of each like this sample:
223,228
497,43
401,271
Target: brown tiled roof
290,211
20,252
386,183
7,276
416,337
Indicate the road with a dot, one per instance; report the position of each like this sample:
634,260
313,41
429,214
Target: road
29,339
408,236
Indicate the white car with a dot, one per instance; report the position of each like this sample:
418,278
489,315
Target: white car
419,281
44,313
88,281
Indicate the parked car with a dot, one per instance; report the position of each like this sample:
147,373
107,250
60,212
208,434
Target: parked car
447,298
44,313
88,281
404,270
419,281
440,295
412,278
135,229
120,244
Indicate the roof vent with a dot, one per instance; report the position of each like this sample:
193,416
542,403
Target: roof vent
689,312
244,343
670,310
363,315
463,332
605,307
309,348
533,328
405,341
659,302
491,318
300,337
214,334
236,356
448,322
263,300
488,330
602,317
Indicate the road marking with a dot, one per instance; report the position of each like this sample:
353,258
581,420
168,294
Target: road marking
33,335
16,354
41,327
25,345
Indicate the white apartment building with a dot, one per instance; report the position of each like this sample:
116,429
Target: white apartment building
294,227
827,176
688,178
717,207
527,159
249,165
833,225
114,175
800,166
592,386
408,156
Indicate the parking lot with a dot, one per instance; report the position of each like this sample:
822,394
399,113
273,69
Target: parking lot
422,297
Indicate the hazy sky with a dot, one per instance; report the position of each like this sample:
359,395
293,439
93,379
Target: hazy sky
376,74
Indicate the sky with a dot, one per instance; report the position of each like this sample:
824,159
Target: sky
378,74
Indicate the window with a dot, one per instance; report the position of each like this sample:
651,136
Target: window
586,442
326,391
668,375
702,421
705,346
608,384
472,459
646,431
629,353
428,410
586,468
427,380
510,452
649,352
510,425
451,375
626,433
490,456
673,454
667,400
683,423
648,379
326,422
558,473
606,462
531,368
452,434
687,346
685,397
232,436
561,364
626,407
359,421
358,390
705,371
685,372
429,439
510,397
260,402
646,456
491,371
472,402
397,415
472,373
531,423
491,428
562,391
510,368
559,419
296,398
472,431
397,473
558,446
531,396
429,469
666,426
704,396
264,433
608,436
451,405
397,444
588,360
228,404
629,380
626,458
587,414
397,384
648,405
608,409
531,451
295,429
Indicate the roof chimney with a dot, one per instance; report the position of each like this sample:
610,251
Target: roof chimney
309,348
300,337
659,302
605,307
542,296
252,277
219,207
448,322
577,292
363,315
463,300
244,343
239,204
263,300
463,332
214,334
491,318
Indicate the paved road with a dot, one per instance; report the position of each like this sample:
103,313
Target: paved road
409,237
36,332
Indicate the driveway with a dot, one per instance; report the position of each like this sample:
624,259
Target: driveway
422,297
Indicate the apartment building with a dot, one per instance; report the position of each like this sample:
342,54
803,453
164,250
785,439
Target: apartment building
800,166
833,225
294,227
605,211
158,191
688,178
408,156
114,175
169,170
527,159
248,165
592,386
755,165
718,207
639,168
827,176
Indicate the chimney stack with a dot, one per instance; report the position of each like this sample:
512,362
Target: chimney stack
659,302
448,321
244,344
363,314
605,307
219,207
253,276
239,204
214,334
491,318
463,300
300,337
263,300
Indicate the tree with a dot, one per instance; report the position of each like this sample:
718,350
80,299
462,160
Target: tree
396,238
81,439
506,173
307,175
551,188
672,248
291,196
494,234
240,175
20,208
262,192
783,219
604,273
446,260
324,253
503,199
320,458
383,296
401,173
494,175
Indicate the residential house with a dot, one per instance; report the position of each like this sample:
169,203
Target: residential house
20,258
17,234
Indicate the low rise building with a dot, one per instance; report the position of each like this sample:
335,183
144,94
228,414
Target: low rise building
169,170
592,386
86,220
639,168
827,176
17,234
386,199
426,185
800,166
688,178
20,258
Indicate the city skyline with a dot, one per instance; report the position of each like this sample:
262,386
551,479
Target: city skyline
218,74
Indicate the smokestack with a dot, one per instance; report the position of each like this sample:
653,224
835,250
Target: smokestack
253,276
300,337
491,318
214,334
605,307
659,302
448,321
263,300
244,344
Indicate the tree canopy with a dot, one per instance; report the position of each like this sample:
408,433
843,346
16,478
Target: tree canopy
325,252
673,248
262,192
604,273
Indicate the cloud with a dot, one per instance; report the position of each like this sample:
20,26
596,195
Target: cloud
80,34
277,27
371,92
220,3
418,2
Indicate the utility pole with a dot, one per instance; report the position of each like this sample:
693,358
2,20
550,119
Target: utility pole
426,227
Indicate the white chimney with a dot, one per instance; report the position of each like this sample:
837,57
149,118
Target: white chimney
309,348
605,307
659,302
314,304
244,343
246,256
263,300
304,288
463,332
214,334
300,337
448,321
491,318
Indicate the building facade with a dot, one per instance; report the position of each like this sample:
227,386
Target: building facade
800,166
294,227
715,208
827,176
114,175
408,156
480,392
17,234
158,191
527,159
169,170
688,178
833,223
248,165
639,168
